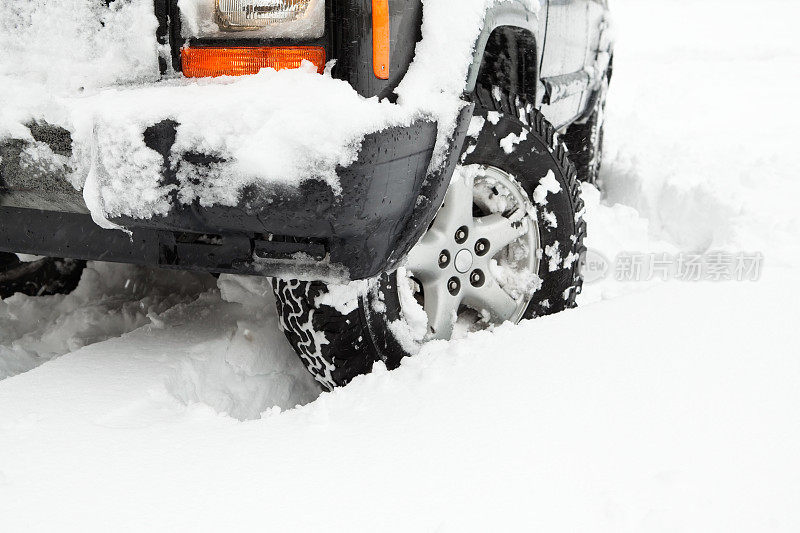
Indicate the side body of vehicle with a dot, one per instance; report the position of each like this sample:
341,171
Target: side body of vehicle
389,195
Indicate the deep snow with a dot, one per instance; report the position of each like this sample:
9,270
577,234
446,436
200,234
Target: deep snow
656,406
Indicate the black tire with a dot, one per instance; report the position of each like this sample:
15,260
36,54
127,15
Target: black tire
331,343
44,277
337,345
585,141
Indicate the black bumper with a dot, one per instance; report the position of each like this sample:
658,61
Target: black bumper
388,198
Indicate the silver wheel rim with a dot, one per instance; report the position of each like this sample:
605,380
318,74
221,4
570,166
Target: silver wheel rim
456,267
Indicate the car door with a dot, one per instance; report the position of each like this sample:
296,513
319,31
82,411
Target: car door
562,74
598,53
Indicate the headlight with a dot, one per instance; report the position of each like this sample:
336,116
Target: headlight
242,15
270,19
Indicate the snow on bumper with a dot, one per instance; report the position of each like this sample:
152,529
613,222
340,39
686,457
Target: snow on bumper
272,129
294,168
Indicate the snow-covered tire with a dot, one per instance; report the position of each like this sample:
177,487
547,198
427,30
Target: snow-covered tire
43,277
541,152
585,140
339,334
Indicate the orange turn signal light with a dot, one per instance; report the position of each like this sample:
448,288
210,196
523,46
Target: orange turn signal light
240,61
381,39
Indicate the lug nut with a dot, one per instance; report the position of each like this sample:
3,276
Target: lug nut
454,286
444,259
482,247
461,234
477,278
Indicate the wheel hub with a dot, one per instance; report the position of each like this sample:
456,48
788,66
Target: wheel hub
464,261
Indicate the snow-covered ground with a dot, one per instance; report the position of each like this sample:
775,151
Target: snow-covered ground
162,401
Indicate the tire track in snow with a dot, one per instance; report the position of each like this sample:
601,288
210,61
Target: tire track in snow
153,342
110,301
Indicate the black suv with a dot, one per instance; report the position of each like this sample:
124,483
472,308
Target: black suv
430,234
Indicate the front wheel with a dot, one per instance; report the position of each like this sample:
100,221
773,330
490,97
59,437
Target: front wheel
506,245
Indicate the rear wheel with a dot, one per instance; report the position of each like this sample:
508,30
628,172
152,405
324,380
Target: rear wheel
39,277
506,245
585,140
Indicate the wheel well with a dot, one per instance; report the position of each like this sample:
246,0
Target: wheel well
510,61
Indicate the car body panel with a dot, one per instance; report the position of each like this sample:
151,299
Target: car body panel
389,195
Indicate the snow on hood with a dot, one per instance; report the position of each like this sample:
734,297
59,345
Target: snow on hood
92,70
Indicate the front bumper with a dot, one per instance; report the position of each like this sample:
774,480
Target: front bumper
388,199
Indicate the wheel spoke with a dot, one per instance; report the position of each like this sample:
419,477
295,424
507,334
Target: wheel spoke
441,307
423,260
492,298
500,231
457,208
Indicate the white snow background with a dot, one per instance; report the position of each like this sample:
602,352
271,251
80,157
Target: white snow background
152,400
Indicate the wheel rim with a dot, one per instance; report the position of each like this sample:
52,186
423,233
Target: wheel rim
478,261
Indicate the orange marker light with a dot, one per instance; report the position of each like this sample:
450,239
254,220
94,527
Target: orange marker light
218,61
381,45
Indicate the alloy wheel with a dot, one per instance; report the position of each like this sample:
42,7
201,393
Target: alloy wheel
478,261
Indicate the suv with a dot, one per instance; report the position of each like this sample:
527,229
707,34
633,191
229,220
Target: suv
453,205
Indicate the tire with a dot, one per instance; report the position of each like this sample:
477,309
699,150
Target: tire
585,141
331,341
43,277
341,331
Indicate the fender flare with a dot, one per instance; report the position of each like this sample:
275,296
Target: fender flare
515,15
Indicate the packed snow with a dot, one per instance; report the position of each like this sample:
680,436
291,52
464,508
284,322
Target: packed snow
154,400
